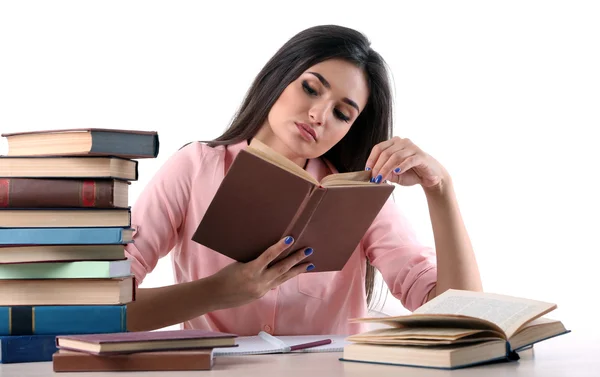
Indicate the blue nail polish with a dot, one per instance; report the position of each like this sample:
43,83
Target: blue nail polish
289,240
372,180
378,179
367,168
310,267
397,170
308,251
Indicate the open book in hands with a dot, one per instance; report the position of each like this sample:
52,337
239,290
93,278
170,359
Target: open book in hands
265,197
456,329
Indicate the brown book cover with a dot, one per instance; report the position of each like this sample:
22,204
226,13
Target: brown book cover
139,341
90,167
64,193
84,141
70,361
264,197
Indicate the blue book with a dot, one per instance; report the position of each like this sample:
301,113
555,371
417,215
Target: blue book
62,320
65,236
26,349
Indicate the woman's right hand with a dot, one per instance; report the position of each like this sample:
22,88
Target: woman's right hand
240,283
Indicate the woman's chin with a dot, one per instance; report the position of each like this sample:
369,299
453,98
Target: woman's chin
305,150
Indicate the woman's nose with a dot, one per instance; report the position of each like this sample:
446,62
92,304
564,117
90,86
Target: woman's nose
317,115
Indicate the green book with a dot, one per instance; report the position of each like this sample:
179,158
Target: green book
66,270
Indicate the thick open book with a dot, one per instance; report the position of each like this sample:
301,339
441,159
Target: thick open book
265,197
456,329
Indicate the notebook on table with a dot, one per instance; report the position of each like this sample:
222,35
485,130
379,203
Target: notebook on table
263,343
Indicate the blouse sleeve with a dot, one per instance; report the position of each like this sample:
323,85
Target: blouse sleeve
160,210
408,268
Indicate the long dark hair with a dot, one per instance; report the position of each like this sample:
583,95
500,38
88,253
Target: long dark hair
305,49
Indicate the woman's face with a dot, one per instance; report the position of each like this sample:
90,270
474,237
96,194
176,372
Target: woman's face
316,110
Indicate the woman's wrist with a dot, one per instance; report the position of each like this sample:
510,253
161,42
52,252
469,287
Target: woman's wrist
443,189
218,294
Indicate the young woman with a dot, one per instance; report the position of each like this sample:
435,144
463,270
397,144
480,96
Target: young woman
323,101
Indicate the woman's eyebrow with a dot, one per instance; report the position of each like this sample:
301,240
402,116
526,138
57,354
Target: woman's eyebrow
328,86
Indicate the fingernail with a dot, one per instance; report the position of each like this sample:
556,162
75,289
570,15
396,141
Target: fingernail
289,240
310,267
367,168
308,251
397,170
372,180
378,179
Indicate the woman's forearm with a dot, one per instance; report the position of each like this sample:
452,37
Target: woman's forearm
457,266
234,285
155,308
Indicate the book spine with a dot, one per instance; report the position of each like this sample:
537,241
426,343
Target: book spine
25,349
67,320
124,144
303,216
25,193
62,236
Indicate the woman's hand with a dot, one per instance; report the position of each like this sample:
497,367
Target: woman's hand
400,161
241,283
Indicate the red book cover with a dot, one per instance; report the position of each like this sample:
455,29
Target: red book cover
75,193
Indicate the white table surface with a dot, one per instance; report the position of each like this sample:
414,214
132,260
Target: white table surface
570,355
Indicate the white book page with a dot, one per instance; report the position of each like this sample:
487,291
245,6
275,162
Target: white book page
508,312
257,345
248,345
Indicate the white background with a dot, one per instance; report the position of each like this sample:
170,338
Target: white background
505,94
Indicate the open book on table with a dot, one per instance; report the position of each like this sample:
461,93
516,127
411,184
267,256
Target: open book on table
265,197
456,329
264,343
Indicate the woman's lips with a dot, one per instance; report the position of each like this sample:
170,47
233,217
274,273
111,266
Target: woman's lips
307,132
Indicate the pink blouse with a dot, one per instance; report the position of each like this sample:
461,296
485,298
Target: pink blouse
168,211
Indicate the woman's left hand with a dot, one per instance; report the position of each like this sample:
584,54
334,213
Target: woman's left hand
401,161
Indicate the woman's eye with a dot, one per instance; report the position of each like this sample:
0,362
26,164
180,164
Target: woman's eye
308,89
341,115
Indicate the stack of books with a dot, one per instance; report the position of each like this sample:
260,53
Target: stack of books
457,329
64,222
175,350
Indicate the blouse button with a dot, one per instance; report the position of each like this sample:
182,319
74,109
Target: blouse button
267,328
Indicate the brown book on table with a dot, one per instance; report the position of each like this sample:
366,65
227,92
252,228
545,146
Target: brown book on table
265,197
70,361
142,341
64,193
31,292
84,141
92,167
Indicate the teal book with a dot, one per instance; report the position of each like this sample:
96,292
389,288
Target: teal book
66,270
62,320
65,236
